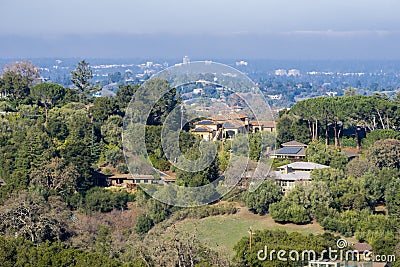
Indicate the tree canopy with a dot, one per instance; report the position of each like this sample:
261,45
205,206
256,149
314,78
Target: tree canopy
81,76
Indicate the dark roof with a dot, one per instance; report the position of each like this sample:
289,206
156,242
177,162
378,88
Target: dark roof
131,177
289,150
206,122
233,124
202,129
294,144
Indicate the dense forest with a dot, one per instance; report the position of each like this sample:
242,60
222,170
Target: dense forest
58,145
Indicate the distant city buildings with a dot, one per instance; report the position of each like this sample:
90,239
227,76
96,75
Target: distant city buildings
331,93
275,97
197,91
291,72
280,72
241,63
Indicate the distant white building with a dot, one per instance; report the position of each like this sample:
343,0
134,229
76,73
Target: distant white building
280,72
186,60
331,93
293,72
275,97
97,94
241,63
197,91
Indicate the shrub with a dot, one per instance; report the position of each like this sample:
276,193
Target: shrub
259,201
287,212
385,154
380,134
122,168
107,172
99,199
143,224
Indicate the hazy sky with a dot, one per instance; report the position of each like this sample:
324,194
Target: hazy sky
41,27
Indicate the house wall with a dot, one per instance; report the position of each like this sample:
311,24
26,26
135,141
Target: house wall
287,186
269,129
286,157
256,129
213,127
205,136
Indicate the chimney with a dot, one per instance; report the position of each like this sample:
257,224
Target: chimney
287,169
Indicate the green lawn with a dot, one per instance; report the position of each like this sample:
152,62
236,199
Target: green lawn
223,232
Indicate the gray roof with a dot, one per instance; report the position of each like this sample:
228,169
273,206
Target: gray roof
206,122
2,182
294,144
304,166
292,176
